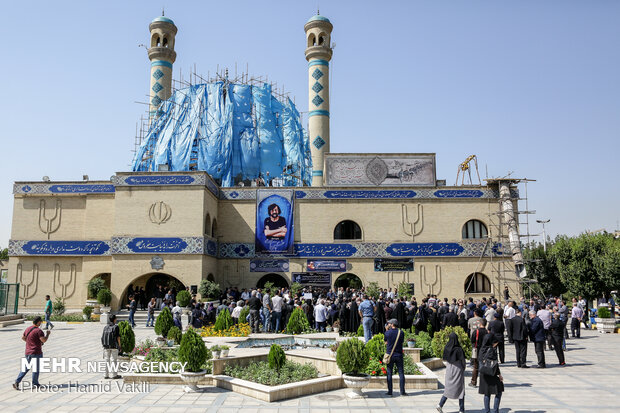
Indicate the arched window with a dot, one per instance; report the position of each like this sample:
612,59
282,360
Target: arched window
477,283
348,280
311,40
155,40
214,228
474,229
165,41
347,230
208,225
322,39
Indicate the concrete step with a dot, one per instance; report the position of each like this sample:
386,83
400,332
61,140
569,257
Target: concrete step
12,319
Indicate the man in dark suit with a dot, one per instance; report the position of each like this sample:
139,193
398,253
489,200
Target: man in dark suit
537,335
557,337
518,332
450,319
496,327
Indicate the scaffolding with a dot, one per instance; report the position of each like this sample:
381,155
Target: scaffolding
505,271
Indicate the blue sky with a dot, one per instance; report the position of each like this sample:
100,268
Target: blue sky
531,87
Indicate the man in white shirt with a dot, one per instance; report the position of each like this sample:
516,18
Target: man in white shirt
276,315
509,314
177,312
320,315
489,314
245,295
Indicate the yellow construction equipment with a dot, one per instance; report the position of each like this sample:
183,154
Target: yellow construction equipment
465,167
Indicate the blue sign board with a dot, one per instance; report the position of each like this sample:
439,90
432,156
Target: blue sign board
274,221
66,247
82,189
324,250
381,194
160,245
269,266
393,264
434,249
458,193
159,180
312,278
326,265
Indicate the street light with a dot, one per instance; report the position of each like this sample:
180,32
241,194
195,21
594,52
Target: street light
543,222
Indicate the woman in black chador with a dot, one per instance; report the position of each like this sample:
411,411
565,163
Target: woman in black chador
354,317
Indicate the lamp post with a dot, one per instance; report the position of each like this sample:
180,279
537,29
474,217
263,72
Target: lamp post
543,222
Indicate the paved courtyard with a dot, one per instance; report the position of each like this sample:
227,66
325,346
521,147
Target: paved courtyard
588,383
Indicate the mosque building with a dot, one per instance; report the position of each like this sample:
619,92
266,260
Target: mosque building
227,185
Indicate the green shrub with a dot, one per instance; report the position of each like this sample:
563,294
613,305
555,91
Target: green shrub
87,311
269,286
603,312
376,346
224,321
377,368
405,289
104,297
261,373
429,329
441,339
298,322
352,356
276,357
58,308
128,338
360,331
184,297
295,288
209,290
94,286
164,322
72,317
243,315
193,351
423,341
175,334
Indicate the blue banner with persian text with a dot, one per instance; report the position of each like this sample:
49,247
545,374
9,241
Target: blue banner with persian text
274,221
326,265
269,266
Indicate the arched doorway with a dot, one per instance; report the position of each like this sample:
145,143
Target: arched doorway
276,279
348,280
150,283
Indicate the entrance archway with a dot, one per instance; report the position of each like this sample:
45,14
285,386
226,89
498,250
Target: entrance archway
150,282
276,279
348,280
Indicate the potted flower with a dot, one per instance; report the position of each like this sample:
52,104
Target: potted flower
411,342
216,351
104,297
328,329
336,326
224,351
352,359
333,349
86,312
604,322
193,352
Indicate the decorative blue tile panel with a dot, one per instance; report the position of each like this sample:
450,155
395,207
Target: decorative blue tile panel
300,194
180,245
211,248
378,194
81,189
159,180
317,74
317,87
157,87
449,249
318,142
324,250
20,248
158,74
317,100
459,193
156,101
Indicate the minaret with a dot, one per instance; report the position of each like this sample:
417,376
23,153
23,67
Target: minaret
162,56
318,54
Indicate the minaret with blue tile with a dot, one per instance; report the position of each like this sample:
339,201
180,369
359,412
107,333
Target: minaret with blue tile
318,54
162,56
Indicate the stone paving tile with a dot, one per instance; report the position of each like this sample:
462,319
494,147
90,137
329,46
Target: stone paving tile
578,387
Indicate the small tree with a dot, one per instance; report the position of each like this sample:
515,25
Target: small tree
184,297
193,351
295,289
376,346
94,286
58,307
104,297
298,322
209,290
269,286
128,338
276,357
372,289
405,289
223,322
175,334
352,356
87,311
164,322
440,339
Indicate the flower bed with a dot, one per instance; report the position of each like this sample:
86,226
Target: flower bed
262,374
238,330
70,317
377,368
147,352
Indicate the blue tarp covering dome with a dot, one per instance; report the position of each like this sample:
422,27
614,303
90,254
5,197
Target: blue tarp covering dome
234,132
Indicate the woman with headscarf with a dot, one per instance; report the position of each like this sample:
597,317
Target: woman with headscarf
378,326
454,357
354,317
343,316
463,323
197,316
490,383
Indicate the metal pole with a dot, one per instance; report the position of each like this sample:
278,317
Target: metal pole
543,222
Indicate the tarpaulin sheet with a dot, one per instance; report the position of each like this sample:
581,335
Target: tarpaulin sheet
230,131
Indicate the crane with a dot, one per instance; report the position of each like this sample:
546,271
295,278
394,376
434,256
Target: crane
465,167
